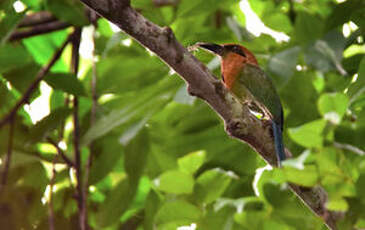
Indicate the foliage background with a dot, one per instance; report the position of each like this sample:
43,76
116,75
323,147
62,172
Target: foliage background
161,158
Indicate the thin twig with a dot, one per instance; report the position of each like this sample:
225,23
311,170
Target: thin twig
51,219
94,95
37,19
350,148
40,75
62,125
60,152
8,154
76,139
39,29
93,17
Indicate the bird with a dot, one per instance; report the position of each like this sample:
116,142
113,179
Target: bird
243,77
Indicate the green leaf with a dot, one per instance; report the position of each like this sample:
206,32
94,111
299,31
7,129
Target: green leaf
115,204
68,10
306,177
300,96
175,182
254,219
198,7
357,89
192,161
8,24
150,11
151,100
178,210
34,4
106,153
339,205
13,56
49,123
308,27
246,203
152,204
308,135
43,47
342,13
333,106
278,21
136,155
360,224
22,78
7,99
360,187
283,64
66,82
352,63
211,185
116,71
132,131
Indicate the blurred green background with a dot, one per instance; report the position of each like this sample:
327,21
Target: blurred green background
160,158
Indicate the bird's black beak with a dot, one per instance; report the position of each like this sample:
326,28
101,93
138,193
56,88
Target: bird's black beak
216,49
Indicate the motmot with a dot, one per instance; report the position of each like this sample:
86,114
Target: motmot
243,77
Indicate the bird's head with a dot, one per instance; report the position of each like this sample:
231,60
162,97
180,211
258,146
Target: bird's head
231,52
233,58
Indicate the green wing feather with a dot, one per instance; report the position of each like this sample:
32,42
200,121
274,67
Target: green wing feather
261,89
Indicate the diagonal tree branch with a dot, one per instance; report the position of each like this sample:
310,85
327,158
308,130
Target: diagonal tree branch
239,122
39,29
61,153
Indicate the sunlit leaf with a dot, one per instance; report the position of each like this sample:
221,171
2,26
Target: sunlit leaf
308,135
175,182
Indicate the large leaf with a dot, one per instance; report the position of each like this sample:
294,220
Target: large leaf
22,78
44,46
193,8
211,185
178,210
105,152
49,123
357,89
333,106
306,177
151,100
192,162
136,155
175,182
116,203
342,13
8,24
308,27
13,56
68,10
66,82
283,64
121,73
309,134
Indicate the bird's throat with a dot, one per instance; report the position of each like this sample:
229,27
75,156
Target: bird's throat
231,67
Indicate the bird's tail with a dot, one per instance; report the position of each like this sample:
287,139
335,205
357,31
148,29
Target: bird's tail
279,145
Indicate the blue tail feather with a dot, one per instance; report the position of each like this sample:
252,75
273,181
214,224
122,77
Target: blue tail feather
279,145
